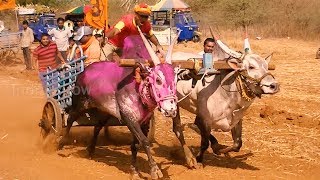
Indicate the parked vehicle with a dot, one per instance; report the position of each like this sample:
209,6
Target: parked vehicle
44,24
182,20
188,26
39,23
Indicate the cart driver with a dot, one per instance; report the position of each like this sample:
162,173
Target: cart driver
127,26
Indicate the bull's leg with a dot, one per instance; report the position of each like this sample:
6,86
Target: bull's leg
237,136
73,116
205,133
106,131
177,129
237,139
134,151
135,129
92,145
215,146
135,147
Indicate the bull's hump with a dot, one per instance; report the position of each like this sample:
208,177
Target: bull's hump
102,78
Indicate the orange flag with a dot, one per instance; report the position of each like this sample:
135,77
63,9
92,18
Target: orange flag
97,16
7,4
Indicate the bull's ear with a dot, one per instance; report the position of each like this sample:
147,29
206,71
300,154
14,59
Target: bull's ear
268,58
234,64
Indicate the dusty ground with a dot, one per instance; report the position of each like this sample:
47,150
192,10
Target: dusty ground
281,132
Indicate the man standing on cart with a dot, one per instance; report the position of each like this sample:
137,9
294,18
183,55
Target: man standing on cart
127,26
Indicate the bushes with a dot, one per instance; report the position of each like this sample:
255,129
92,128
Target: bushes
272,18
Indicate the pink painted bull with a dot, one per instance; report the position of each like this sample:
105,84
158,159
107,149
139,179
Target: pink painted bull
112,92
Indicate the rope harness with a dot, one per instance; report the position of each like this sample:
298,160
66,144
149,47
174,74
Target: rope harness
247,85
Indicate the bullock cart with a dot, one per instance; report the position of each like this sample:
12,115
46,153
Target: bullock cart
60,85
9,47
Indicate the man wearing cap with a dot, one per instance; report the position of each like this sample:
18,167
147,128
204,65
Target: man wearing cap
90,45
127,26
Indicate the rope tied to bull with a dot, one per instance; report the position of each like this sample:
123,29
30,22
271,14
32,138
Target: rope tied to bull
249,92
244,91
184,97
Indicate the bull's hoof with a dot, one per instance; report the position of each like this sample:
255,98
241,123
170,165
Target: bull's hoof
192,163
217,148
135,175
229,149
61,143
199,159
156,172
191,160
90,151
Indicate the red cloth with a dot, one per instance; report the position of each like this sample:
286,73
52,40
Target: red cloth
128,30
46,56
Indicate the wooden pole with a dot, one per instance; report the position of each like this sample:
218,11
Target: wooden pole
106,15
17,20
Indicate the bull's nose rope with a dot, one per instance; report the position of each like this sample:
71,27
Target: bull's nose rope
242,90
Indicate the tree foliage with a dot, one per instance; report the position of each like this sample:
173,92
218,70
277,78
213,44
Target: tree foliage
52,3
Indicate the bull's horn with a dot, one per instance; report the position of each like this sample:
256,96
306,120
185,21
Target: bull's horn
152,54
224,48
227,50
170,49
247,48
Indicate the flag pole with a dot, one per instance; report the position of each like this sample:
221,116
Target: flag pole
17,20
106,14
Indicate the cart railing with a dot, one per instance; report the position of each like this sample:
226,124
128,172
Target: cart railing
9,40
60,82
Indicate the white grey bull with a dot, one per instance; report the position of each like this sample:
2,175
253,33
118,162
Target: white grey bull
220,101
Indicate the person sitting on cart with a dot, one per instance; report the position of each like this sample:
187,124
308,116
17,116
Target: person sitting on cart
90,45
45,56
127,26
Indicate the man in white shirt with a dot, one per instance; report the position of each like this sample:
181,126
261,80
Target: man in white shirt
61,36
26,41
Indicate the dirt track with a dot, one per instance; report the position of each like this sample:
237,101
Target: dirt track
281,133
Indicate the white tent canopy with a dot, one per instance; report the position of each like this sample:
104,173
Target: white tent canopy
165,5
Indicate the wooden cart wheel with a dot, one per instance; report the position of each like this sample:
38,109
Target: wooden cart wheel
2,57
8,57
51,121
11,57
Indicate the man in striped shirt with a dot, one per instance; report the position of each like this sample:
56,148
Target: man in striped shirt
45,56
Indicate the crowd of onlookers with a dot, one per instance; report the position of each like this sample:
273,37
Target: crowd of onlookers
59,45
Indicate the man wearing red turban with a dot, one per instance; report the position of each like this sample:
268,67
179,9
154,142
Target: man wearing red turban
127,26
